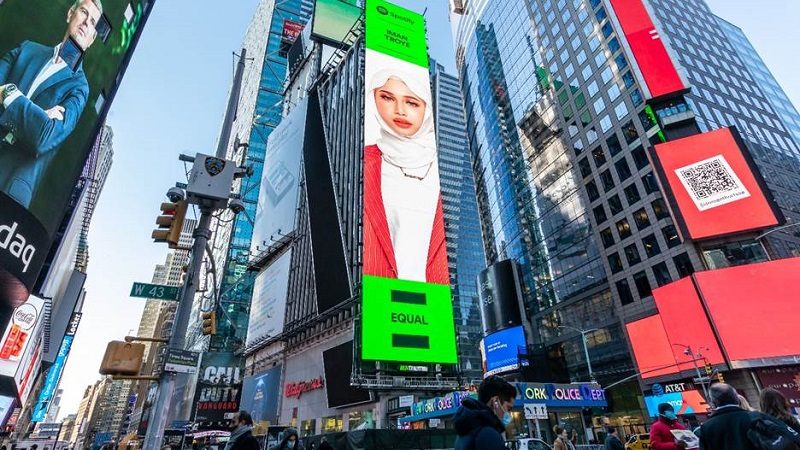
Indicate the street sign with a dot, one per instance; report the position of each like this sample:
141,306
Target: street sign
181,361
156,291
535,410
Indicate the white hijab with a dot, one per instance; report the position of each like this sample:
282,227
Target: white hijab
413,152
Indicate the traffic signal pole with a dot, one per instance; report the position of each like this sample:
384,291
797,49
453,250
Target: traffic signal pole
171,384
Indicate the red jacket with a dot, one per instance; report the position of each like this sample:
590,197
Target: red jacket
660,436
379,259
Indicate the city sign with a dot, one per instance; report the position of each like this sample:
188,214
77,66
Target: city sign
181,361
154,291
581,395
535,411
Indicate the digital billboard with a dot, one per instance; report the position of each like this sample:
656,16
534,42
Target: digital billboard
407,309
338,366
54,373
61,65
260,394
686,402
333,20
714,187
219,387
268,307
500,295
657,67
277,201
501,350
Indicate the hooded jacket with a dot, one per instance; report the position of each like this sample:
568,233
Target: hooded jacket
478,427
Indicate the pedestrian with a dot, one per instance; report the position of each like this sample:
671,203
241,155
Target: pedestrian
661,437
744,404
290,440
775,404
613,441
241,437
480,423
563,441
325,445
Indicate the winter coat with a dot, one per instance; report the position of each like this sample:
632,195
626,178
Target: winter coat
727,429
613,443
478,427
661,437
246,442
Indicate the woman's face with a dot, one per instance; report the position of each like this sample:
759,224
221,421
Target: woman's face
400,108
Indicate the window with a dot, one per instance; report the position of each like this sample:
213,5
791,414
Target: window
624,291
661,273
607,179
623,171
632,194
647,120
632,255
641,219
599,105
624,229
607,30
640,158
660,208
650,183
586,169
605,123
600,214
613,45
613,144
622,63
599,157
642,284
683,265
627,78
615,262
580,101
593,89
607,236
613,92
586,118
615,205
651,247
629,131
563,96
621,110
636,98
671,236
591,191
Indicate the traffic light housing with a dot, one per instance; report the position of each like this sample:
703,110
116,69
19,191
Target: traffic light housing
709,369
720,378
209,322
170,223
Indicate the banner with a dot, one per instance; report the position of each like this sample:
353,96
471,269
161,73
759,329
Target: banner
407,311
268,307
49,118
260,394
219,387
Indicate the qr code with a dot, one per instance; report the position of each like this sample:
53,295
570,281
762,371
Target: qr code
708,178
711,183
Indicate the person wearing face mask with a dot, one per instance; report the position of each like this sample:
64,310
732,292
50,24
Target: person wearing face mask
480,423
661,437
242,435
290,440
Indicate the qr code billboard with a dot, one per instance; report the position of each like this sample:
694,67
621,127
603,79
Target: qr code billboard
711,183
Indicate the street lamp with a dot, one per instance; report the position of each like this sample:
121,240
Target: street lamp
687,350
585,346
760,237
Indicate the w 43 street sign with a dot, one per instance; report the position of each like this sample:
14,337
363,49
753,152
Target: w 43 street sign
155,291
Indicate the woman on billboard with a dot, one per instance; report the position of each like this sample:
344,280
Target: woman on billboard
403,224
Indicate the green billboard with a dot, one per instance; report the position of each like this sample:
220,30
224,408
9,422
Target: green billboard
333,20
407,306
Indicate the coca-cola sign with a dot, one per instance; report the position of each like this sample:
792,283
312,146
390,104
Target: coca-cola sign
25,316
297,389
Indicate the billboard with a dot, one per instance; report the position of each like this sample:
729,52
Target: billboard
291,31
656,66
54,373
219,387
713,185
501,350
61,65
277,201
407,310
500,295
686,402
333,20
337,362
785,380
268,307
260,394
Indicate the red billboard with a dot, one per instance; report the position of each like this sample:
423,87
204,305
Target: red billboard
713,185
655,64
651,347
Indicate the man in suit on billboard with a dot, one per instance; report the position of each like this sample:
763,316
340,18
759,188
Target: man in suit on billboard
43,91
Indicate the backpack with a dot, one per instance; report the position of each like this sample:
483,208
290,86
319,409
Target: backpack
767,433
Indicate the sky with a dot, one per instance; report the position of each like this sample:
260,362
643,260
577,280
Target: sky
172,101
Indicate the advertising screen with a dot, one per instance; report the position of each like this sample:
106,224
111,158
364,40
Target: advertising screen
655,64
268,307
260,394
651,347
333,20
785,380
686,402
714,187
338,368
51,381
407,309
219,387
277,203
500,295
60,68
501,350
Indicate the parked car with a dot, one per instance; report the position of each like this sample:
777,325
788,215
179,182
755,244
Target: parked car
638,442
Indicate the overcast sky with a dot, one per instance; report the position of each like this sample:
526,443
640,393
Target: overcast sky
172,100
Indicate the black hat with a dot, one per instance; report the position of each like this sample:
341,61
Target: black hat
664,407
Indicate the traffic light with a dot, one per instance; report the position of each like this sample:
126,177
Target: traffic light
709,369
720,377
209,322
170,223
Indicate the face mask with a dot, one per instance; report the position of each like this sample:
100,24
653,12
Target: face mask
670,415
506,419
290,444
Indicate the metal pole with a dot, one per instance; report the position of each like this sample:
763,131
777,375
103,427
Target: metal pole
586,353
168,382
699,375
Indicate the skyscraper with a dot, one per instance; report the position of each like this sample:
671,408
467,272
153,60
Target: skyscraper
463,233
